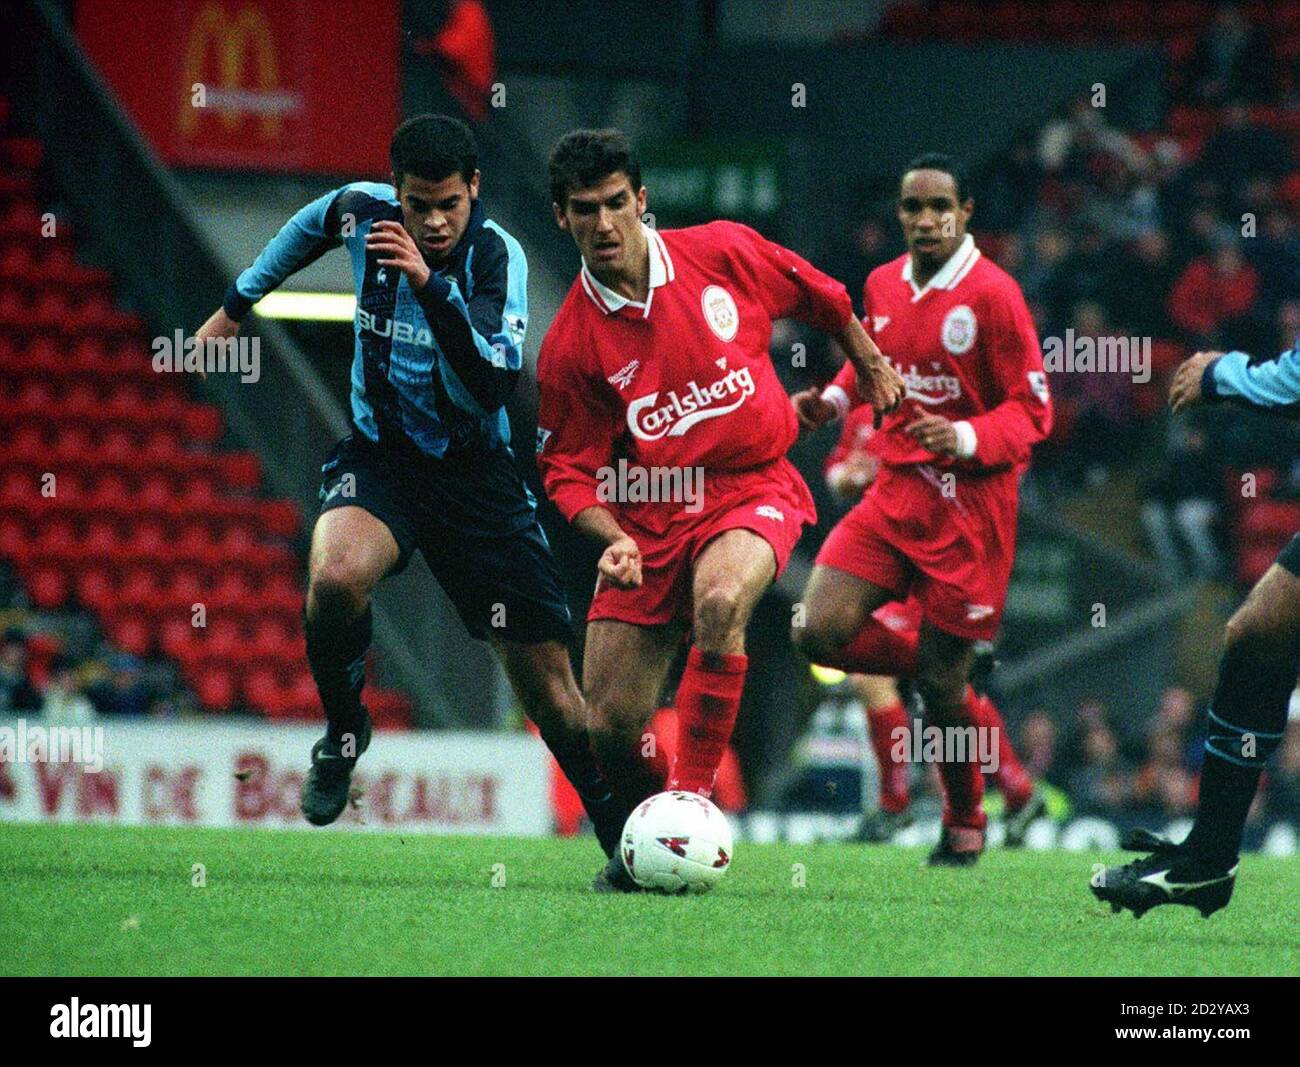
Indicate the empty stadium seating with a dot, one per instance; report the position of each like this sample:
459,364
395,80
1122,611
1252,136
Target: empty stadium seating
117,495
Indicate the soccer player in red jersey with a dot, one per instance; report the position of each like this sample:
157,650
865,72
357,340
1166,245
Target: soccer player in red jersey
939,521
657,368
850,468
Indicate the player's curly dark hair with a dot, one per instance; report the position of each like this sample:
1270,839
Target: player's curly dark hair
433,147
941,161
582,158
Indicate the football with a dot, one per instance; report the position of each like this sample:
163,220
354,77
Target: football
677,842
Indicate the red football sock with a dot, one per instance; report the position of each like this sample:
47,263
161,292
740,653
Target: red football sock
963,783
879,650
1011,778
881,724
708,700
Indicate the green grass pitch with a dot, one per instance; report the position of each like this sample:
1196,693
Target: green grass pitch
98,900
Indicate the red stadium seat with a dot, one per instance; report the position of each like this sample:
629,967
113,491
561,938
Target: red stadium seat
279,518
130,633
48,587
96,589
215,688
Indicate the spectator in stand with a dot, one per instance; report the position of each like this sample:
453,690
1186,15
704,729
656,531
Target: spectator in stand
17,693
1012,189
1081,276
1105,423
1137,283
65,704
1069,147
1212,292
1038,747
1177,715
1164,784
1242,149
1124,206
1044,259
123,693
1275,255
1233,59
1183,504
1103,785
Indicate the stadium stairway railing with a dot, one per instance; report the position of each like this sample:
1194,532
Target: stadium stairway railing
143,226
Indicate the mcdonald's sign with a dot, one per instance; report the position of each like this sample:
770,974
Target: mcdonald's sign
232,69
285,85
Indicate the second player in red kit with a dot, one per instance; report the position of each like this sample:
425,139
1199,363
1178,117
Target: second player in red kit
656,371
939,521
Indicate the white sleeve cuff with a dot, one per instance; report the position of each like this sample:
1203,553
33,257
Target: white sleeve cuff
837,398
966,440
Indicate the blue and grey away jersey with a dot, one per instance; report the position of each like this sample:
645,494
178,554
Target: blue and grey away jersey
1272,385
434,366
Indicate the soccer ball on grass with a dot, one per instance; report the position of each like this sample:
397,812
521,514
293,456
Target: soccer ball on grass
677,842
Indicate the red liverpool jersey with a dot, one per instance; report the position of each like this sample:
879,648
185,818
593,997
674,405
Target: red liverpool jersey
684,379
966,346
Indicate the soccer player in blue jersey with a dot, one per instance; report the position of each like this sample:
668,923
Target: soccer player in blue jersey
1256,677
441,312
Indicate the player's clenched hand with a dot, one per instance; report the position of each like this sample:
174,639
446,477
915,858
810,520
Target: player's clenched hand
620,564
1186,388
935,434
811,410
880,384
219,325
851,476
394,247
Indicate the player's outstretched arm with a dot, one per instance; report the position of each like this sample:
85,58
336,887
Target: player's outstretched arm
309,234
218,327
1213,376
879,383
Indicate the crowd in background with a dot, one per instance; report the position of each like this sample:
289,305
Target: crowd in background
41,678
1147,773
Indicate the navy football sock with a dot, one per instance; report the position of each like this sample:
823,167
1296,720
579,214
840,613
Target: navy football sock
337,657
1246,721
572,751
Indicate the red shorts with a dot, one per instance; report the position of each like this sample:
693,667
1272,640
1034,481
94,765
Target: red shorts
900,616
949,544
772,501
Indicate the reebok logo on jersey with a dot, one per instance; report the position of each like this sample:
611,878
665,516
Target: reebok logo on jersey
694,404
975,612
622,377
767,511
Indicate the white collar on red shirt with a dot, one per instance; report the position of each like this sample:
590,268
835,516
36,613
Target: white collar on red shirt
950,274
661,272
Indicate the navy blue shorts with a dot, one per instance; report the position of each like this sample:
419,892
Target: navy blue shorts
473,520
1289,557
